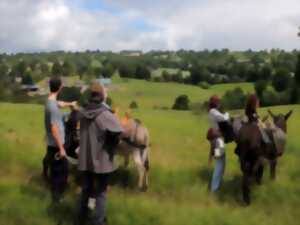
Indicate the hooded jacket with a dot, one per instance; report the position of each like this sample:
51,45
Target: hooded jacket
96,120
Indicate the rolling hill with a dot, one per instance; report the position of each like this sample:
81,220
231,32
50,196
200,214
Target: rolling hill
179,172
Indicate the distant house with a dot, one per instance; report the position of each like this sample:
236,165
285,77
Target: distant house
30,88
131,53
18,80
105,81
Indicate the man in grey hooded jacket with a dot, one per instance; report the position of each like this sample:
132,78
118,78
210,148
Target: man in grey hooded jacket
99,134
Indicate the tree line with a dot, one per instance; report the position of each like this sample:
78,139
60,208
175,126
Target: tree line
275,73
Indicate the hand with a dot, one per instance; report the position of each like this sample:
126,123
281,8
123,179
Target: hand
62,153
74,105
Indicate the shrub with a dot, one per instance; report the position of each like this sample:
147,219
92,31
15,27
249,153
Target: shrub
181,103
294,95
142,72
270,98
27,79
234,99
260,86
281,80
158,79
133,105
204,85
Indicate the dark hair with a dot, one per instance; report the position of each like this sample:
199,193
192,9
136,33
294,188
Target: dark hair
55,84
96,93
251,106
214,102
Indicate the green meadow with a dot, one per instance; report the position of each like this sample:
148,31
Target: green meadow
179,170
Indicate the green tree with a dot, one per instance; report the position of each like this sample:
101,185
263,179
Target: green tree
82,69
68,68
33,64
126,71
256,60
27,78
198,74
98,71
282,80
57,69
107,71
297,72
142,72
252,74
234,99
266,73
294,95
45,69
21,68
181,103
3,70
260,87
178,77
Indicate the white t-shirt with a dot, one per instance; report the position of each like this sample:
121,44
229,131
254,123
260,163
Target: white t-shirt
215,116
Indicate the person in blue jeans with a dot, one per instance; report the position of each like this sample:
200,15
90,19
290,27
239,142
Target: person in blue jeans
218,153
99,135
217,142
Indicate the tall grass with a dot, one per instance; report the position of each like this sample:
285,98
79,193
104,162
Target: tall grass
179,173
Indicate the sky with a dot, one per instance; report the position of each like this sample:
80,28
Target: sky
78,25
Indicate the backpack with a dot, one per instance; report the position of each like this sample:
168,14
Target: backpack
111,138
227,131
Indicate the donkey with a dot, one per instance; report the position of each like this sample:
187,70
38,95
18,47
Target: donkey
277,132
135,141
252,149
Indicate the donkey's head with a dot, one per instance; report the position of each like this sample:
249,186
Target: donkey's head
280,120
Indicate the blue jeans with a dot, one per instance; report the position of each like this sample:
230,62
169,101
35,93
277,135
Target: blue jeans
93,185
218,173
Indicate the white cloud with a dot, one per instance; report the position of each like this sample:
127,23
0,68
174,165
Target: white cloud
52,25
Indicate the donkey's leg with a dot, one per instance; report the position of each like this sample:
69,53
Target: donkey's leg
246,168
246,188
145,160
259,173
126,160
140,167
273,164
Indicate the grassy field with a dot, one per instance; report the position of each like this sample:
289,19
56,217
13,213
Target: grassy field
150,95
179,170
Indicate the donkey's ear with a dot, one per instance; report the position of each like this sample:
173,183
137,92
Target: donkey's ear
287,116
271,114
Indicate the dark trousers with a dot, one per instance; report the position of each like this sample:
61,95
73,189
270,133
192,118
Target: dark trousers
58,172
93,185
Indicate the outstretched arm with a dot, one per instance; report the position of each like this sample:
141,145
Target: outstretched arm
220,117
62,104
